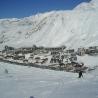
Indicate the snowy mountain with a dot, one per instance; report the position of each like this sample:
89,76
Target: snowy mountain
73,28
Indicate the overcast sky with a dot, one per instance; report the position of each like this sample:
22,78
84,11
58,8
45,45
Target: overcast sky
24,8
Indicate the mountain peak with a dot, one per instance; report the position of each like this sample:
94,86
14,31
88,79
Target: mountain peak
93,4
71,28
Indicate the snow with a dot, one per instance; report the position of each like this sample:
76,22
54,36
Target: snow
73,28
88,6
23,82
89,61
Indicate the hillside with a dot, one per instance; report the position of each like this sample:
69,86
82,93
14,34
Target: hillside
73,28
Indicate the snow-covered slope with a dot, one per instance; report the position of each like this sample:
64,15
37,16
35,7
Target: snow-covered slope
74,28
23,82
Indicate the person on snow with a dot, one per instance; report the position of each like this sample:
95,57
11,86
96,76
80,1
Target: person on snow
80,74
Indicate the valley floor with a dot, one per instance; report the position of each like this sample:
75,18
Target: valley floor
24,81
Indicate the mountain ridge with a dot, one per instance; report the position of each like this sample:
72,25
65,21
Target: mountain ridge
73,28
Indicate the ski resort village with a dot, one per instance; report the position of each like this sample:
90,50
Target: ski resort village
55,58
40,72
51,54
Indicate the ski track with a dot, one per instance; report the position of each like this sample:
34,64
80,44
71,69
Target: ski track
23,82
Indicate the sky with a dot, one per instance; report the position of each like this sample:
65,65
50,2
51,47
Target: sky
24,8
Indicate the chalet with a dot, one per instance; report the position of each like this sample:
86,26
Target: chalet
7,48
44,60
19,57
94,47
70,51
73,58
8,57
31,57
55,48
55,53
37,58
25,50
92,50
54,60
17,51
81,51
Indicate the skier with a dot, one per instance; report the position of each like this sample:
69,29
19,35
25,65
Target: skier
80,74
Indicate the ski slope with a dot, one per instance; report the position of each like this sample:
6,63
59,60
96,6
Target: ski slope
73,28
23,82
